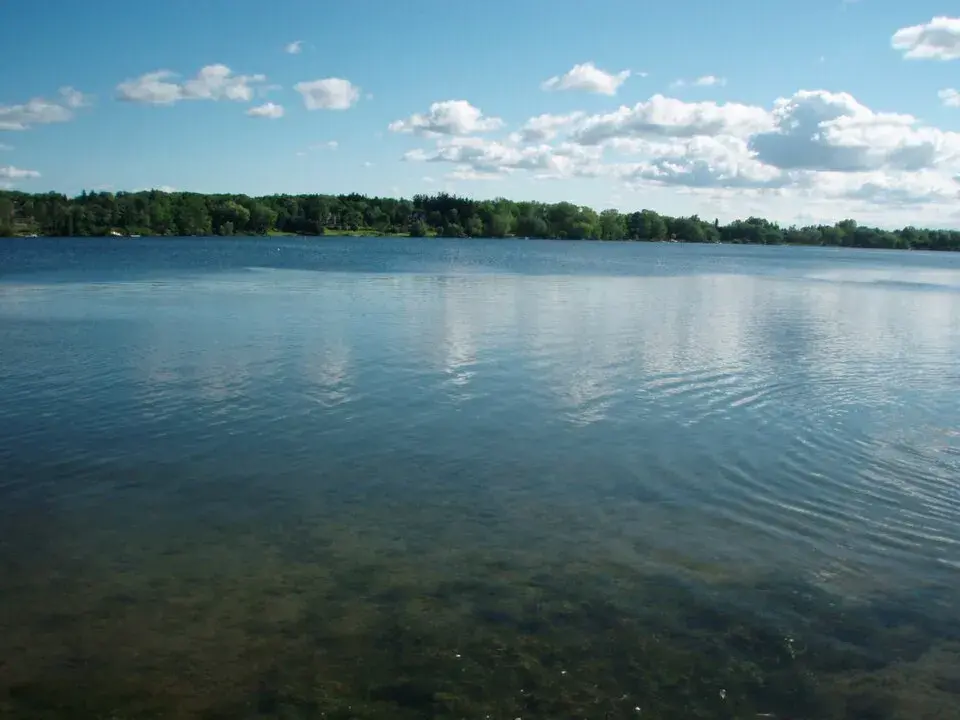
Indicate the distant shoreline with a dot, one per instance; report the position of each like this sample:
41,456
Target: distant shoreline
360,235
156,213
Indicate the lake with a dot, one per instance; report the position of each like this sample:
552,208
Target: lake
391,478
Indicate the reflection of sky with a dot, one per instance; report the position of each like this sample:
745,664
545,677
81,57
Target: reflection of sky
811,412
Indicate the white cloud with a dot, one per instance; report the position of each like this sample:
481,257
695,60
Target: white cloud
491,157
450,117
367,164
818,151
709,80
328,94
73,98
153,88
217,82
589,78
938,39
819,130
702,81
213,82
267,110
886,188
950,97
9,172
702,161
329,145
294,48
39,111
668,117
546,126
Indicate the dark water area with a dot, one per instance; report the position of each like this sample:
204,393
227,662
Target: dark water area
390,478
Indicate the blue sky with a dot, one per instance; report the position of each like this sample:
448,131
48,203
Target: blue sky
804,111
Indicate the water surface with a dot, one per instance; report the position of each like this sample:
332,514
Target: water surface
390,479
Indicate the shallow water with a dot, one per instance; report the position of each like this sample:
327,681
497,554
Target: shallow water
390,479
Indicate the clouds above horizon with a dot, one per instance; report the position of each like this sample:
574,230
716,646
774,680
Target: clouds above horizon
938,39
212,82
9,172
449,117
696,136
328,94
812,144
702,81
268,110
588,78
39,111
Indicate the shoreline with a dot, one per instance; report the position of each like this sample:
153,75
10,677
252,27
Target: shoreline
373,235
166,214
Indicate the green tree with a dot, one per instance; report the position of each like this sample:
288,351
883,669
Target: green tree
6,217
613,225
161,213
418,228
262,218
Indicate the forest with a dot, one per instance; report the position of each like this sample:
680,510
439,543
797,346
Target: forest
159,213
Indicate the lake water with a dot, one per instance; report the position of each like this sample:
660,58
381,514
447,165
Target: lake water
360,478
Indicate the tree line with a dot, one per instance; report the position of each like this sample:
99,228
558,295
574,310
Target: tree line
158,213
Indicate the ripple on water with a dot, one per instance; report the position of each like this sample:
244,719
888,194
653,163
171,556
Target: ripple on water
384,462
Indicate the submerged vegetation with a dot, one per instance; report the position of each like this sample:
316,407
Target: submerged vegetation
161,213
395,613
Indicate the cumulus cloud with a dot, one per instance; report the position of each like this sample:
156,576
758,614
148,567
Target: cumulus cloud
938,39
267,110
668,117
213,82
495,158
589,78
546,126
702,162
294,48
450,117
898,188
816,147
39,111
328,94
950,97
820,130
9,172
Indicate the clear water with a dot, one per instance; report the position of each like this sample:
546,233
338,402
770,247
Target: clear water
386,479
